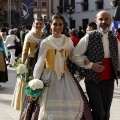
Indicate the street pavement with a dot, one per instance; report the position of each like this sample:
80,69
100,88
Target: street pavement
9,113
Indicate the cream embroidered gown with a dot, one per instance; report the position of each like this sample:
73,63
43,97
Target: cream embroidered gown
18,95
63,99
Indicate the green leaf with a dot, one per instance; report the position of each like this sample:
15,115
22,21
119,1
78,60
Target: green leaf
17,64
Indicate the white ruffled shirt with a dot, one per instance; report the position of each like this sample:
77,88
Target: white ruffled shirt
81,48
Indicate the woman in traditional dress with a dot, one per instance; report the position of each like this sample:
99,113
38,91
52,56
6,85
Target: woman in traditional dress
32,38
3,66
63,99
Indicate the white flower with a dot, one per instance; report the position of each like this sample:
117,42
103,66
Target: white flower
35,84
22,69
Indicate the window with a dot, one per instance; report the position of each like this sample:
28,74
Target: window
44,4
99,4
73,3
84,5
35,3
85,23
60,9
66,5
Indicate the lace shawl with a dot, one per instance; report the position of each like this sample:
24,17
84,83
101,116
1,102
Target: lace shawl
48,43
30,38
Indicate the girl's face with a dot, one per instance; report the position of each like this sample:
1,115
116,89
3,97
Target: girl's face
57,27
38,25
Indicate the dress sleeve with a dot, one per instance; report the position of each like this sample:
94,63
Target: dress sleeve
26,47
71,48
39,66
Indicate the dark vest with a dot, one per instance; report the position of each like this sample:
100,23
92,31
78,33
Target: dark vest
95,53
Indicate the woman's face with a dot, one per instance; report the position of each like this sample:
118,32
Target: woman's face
57,27
38,25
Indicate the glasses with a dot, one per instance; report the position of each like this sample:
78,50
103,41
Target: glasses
55,24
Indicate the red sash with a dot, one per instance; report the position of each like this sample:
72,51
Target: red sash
107,73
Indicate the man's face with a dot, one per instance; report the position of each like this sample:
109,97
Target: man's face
103,21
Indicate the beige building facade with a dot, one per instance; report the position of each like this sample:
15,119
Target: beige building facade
41,8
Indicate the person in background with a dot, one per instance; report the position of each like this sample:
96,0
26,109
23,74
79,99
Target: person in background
91,26
17,32
3,58
81,33
117,34
101,48
118,39
74,37
3,33
19,47
63,99
10,44
22,34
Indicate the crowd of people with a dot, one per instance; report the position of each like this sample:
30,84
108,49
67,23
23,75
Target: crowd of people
50,50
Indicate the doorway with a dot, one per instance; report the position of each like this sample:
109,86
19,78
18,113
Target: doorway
85,23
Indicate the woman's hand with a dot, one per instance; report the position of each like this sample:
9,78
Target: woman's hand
86,61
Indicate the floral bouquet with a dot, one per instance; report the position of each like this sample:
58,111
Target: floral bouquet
34,88
21,71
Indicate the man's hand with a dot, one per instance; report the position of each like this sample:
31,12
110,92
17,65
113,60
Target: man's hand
97,67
